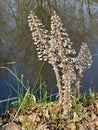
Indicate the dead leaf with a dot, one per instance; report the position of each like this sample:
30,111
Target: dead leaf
93,116
12,111
12,126
96,123
71,125
19,119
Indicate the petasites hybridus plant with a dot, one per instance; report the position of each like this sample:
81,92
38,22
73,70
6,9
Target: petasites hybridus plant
56,48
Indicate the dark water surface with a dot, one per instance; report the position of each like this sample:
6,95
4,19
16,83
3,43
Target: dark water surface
80,17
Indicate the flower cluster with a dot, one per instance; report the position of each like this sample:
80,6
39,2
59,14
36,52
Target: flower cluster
84,58
39,35
56,48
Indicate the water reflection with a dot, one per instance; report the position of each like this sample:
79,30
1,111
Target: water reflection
80,19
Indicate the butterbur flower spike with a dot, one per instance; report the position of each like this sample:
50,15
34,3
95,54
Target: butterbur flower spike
83,60
56,48
39,35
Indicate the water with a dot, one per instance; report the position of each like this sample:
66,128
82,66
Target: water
81,21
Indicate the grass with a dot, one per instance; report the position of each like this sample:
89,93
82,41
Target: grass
25,94
48,111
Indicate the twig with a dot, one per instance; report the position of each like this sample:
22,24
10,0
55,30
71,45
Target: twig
9,99
95,55
8,63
